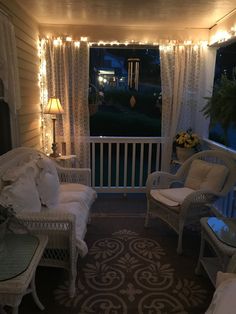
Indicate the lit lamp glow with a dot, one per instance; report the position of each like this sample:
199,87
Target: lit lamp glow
54,107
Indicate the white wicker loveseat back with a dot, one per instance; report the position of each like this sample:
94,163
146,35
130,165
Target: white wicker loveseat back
65,225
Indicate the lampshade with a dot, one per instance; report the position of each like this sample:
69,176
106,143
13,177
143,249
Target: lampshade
53,106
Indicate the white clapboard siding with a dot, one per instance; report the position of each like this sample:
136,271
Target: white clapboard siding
26,30
29,109
34,125
29,117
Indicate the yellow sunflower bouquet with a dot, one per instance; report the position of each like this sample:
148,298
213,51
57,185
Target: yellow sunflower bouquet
187,139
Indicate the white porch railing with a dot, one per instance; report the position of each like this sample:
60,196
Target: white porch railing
122,164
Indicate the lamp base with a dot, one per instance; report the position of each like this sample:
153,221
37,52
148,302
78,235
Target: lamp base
54,153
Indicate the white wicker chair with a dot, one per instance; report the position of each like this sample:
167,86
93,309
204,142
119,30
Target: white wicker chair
63,247
194,205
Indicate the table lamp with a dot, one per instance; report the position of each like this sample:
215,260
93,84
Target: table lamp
54,107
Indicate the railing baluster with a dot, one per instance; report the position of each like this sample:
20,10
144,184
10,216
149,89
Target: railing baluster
109,164
133,164
117,164
141,166
149,158
93,164
125,165
158,158
101,164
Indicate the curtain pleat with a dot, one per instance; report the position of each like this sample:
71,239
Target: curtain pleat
185,83
67,77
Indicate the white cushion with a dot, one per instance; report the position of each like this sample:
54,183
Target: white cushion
162,199
73,192
171,197
81,214
222,277
48,183
224,301
22,194
205,175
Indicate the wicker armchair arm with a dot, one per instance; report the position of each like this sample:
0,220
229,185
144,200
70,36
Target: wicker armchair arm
160,179
48,221
74,175
197,199
46,215
58,227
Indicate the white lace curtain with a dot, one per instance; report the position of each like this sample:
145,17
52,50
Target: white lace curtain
9,73
187,74
67,77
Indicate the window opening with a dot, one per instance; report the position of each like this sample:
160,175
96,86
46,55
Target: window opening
225,78
125,92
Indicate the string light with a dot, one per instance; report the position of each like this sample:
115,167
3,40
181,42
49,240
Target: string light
222,36
83,38
60,40
57,42
77,44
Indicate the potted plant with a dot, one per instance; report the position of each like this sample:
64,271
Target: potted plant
221,107
186,143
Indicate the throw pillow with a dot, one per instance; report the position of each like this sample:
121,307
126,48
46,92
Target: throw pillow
48,182
48,187
22,194
47,165
14,173
205,175
223,300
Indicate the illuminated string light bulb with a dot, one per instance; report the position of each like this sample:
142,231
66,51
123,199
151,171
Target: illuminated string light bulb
57,42
77,44
84,38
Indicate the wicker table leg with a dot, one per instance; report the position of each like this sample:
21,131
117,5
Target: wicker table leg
202,247
34,294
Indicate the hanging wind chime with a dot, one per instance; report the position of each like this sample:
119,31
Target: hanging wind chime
133,73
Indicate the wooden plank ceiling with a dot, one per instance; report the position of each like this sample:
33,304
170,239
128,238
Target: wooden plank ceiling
158,14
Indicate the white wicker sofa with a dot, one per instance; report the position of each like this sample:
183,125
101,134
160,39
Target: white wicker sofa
51,200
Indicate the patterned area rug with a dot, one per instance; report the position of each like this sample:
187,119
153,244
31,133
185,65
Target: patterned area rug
130,270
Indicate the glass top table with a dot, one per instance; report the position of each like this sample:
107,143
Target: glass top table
224,229
17,254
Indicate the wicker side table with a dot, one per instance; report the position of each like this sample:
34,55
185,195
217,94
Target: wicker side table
223,252
13,290
67,161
